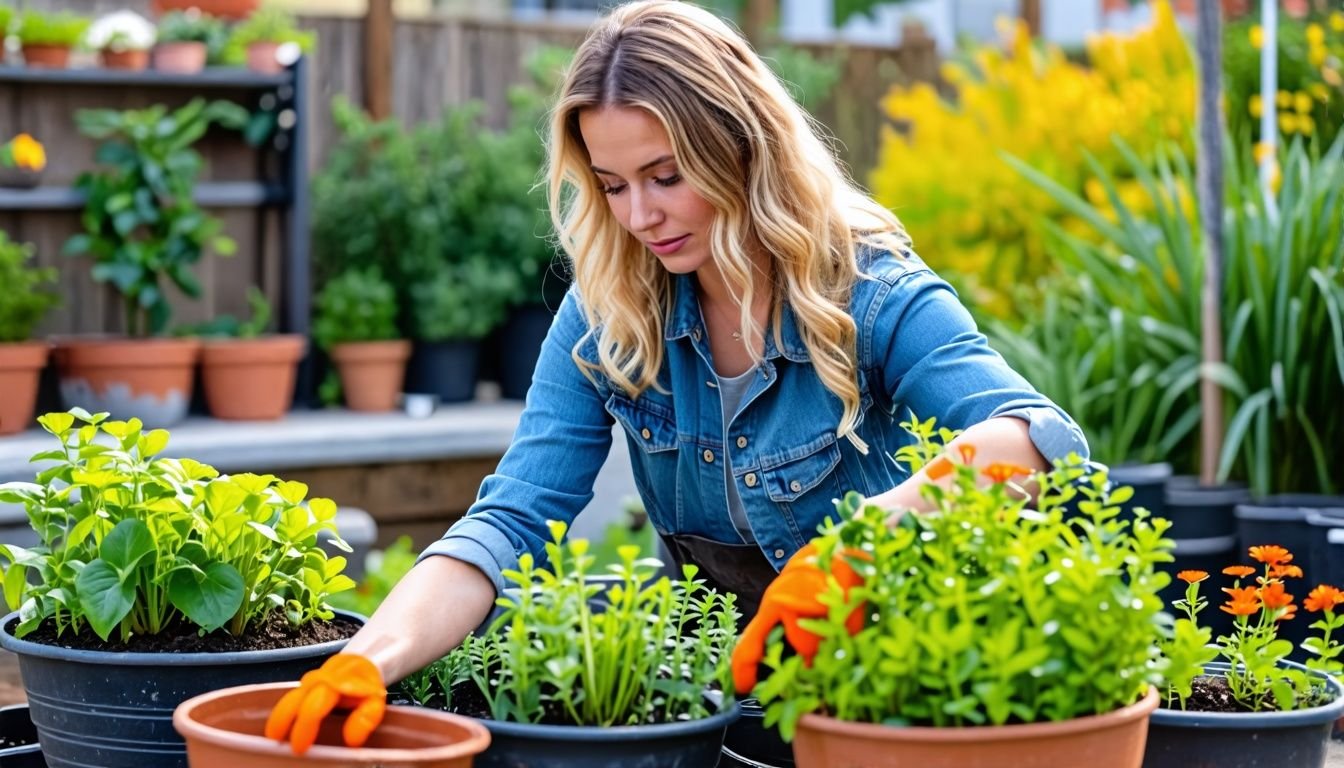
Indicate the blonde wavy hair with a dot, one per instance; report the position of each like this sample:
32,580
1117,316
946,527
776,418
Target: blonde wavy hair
745,146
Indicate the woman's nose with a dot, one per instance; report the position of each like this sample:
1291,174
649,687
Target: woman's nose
645,213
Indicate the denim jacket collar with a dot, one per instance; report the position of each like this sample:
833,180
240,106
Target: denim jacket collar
685,318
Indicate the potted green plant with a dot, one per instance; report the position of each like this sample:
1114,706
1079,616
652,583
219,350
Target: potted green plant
224,9
451,311
123,40
143,230
47,39
247,374
186,40
576,669
22,160
30,293
989,631
157,579
261,35
1253,705
355,321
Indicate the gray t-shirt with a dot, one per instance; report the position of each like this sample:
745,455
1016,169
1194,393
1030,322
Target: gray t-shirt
731,390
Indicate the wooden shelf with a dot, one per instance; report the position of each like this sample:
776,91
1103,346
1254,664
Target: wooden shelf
210,194
217,77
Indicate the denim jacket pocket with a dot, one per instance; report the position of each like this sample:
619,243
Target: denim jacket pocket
648,424
790,475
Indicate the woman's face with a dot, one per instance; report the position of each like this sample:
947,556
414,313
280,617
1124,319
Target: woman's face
633,160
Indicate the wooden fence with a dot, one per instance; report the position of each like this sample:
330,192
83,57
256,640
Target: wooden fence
437,62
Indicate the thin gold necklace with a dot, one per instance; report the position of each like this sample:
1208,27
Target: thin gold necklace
736,332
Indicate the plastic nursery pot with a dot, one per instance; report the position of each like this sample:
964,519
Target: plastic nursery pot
223,729
18,739
1112,740
1180,739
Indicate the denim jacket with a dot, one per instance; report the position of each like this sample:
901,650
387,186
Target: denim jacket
919,352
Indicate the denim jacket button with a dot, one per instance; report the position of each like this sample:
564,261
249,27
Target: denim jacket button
695,334
750,479
709,456
779,554
645,433
741,442
795,486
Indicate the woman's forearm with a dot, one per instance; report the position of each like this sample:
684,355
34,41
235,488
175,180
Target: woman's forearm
1005,439
427,614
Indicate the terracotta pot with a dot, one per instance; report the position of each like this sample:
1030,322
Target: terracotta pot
51,56
20,368
132,60
225,9
180,58
1112,740
261,58
223,729
250,379
372,373
149,379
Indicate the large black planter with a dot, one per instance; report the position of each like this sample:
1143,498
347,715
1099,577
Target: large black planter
18,739
115,710
749,744
520,341
1178,739
1149,482
445,368
694,744
1204,529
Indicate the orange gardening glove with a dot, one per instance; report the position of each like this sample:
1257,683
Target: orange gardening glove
345,681
793,595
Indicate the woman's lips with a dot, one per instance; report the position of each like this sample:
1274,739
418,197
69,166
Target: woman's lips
668,247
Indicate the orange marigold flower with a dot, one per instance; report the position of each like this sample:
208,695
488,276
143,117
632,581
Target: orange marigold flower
1289,613
1274,597
1271,554
1239,570
1280,571
1003,471
1242,602
967,452
1323,598
1192,577
939,468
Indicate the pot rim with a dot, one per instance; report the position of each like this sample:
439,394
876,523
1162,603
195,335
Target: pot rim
190,728
1317,715
1139,710
617,733
165,658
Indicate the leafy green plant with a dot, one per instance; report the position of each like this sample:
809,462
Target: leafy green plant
228,326
271,24
143,228
1282,310
384,568
358,305
58,29
985,610
461,301
648,654
6,19
135,543
29,291
192,26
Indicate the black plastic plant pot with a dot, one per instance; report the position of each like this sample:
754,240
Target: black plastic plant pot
115,710
749,744
445,368
1300,738
692,744
1149,482
18,739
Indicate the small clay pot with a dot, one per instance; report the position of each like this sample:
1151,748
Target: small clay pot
48,56
184,58
134,60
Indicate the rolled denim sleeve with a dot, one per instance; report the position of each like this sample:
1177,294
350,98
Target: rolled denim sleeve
547,473
937,363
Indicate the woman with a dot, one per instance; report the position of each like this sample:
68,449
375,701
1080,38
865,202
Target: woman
756,324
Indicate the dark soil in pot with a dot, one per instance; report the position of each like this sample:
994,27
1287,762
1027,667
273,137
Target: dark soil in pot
268,634
1211,693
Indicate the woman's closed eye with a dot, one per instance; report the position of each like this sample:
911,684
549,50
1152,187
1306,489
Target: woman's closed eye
662,181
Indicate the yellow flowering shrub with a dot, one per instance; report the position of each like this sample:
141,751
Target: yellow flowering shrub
941,166
23,151
1310,95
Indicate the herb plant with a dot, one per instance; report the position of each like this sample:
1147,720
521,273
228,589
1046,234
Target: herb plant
56,29
647,652
30,291
356,305
1253,650
984,610
133,543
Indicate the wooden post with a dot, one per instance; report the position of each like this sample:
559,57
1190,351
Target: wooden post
1209,192
378,24
758,19
1030,11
